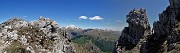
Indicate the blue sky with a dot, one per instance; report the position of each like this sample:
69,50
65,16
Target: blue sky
67,12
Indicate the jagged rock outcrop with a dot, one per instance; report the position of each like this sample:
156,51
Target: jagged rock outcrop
133,36
166,37
39,36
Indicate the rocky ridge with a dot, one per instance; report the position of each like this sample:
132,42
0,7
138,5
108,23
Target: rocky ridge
163,38
39,36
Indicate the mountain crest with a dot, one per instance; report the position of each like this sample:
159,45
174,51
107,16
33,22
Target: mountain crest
43,35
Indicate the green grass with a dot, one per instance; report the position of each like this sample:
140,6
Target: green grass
81,40
105,46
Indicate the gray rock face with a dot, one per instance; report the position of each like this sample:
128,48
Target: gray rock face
175,4
132,36
166,21
138,23
41,36
165,37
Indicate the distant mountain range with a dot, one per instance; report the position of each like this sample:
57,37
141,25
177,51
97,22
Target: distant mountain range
92,40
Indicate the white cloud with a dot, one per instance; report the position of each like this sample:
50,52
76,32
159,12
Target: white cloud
91,18
72,27
25,16
96,18
83,17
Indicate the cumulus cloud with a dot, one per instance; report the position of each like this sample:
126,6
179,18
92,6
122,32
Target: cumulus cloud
90,18
96,18
72,27
83,17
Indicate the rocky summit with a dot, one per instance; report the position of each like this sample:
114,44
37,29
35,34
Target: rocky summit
39,36
132,36
163,38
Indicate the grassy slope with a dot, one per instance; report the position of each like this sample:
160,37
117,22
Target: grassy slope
86,48
104,45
